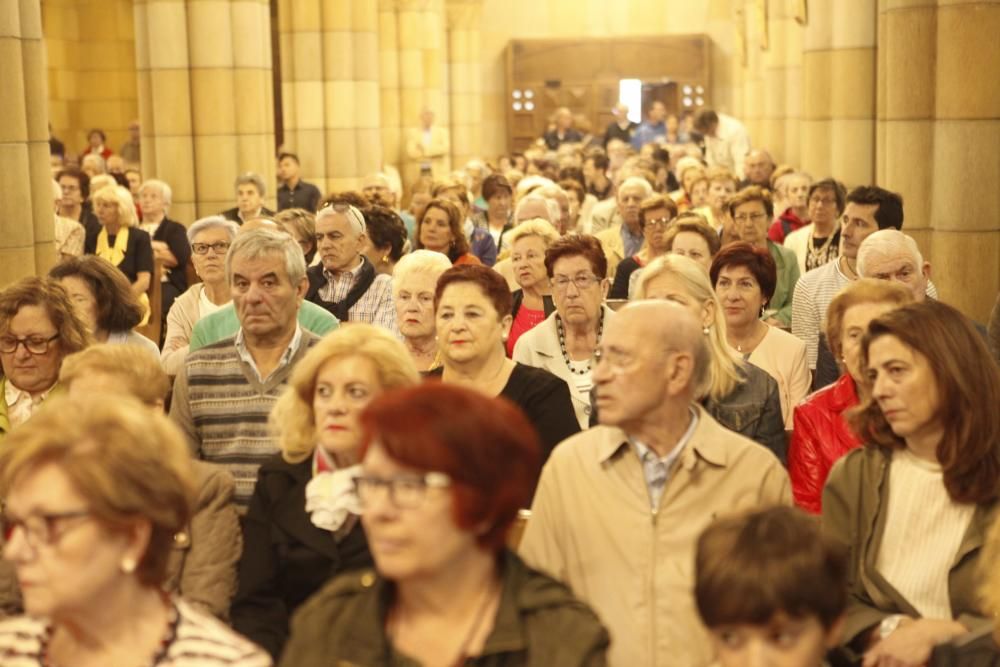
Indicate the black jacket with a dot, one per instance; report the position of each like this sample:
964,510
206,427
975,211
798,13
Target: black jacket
234,214
285,557
547,304
174,234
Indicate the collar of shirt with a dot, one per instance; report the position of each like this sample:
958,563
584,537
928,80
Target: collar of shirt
352,274
244,352
646,454
631,242
21,404
614,440
239,214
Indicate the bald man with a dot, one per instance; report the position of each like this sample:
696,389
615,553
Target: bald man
619,507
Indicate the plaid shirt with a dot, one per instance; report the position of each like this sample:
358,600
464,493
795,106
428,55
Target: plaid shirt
375,306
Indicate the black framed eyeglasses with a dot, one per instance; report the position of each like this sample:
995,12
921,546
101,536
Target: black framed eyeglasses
40,529
405,492
36,345
220,248
582,282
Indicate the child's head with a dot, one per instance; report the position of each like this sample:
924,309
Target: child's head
770,589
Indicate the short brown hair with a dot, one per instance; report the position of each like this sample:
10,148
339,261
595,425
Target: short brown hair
749,194
493,184
352,197
50,296
968,388
653,203
126,461
137,371
757,261
117,307
460,245
750,568
585,246
863,290
489,281
695,223
569,184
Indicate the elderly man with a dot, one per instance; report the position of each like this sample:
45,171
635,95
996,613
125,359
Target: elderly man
377,190
726,140
345,282
294,192
619,507
563,132
621,127
758,165
131,150
652,129
250,193
427,148
624,239
224,394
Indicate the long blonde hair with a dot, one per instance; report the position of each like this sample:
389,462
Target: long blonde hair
724,369
292,418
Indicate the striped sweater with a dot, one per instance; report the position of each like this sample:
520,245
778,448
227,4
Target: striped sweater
222,408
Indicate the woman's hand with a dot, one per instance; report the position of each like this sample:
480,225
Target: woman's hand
912,642
161,251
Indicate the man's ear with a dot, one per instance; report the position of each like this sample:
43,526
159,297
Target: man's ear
303,287
926,270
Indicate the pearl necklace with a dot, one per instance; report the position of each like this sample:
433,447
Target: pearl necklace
562,344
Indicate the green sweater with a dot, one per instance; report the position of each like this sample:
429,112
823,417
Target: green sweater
224,323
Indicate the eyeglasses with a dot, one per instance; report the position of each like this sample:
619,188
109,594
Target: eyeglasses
33,344
618,361
659,222
351,211
405,493
220,248
745,217
39,529
582,282
823,201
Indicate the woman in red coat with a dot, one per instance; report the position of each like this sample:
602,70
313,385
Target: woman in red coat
821,434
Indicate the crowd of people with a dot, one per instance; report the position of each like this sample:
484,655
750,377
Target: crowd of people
640,399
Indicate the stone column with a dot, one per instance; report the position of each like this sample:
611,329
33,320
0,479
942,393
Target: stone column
465,73
393,138
782,62
26,207
938,132
838,92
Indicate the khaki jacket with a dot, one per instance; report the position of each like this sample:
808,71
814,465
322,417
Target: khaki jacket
614,247
592,527
853,499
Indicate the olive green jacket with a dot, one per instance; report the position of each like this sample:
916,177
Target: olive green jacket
853,501
538,622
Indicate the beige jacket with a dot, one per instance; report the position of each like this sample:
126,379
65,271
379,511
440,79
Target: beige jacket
614,247
436,154
592,527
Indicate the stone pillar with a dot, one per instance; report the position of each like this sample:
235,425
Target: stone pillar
755,92
393,138
164,81
838,93
938,132
465,73
26,207
782,77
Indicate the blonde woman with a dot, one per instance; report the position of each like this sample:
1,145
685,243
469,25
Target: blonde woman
119,240
302,526
529,242
741,397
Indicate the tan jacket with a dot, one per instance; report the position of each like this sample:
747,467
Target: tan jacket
593,528
853,502
436,154
614,247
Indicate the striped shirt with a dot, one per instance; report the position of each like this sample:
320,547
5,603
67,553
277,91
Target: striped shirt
222,406
193,640
374,307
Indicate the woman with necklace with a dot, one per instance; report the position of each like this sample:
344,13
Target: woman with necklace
819,242
744,278
529,242
120,241
413,283
444,471
472,307
564,343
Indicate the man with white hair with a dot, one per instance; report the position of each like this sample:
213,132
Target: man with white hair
563,132
758,165
169,238
345,282
621,127
889,254
624,239
250,191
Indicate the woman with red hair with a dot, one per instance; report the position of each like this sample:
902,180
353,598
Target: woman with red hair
444,471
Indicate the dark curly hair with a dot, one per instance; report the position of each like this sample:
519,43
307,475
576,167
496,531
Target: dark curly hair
117,307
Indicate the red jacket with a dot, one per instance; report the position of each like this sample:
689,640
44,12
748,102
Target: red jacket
820,437
786,223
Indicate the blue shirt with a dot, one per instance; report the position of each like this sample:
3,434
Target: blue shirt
632,243
648,132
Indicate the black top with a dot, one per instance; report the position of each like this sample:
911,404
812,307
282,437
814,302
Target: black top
305,195
616,132
570,136
626,267
138,252
285,557
976,649
234,214
548,306
174,234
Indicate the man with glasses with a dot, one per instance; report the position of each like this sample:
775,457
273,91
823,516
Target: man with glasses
345,282
619,507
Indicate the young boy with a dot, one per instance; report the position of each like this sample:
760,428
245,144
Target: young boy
770,590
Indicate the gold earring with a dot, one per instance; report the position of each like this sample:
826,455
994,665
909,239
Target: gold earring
128,565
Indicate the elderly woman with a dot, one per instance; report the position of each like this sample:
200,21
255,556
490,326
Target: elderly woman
819,242
793,190
210,239
691,236
564,343
656,214
169,239
302,527
301,226
821,434
202,562
722,184
119,240
385,238
439,228
689,171
472,308
39,327
529,242
741,397
932,432
96,491
443,474
103,301
750,210
743,277
413,284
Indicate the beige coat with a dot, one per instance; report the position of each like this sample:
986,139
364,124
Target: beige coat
614,247
592,527
436,154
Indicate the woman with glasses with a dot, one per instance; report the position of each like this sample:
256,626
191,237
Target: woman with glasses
564,343
443,474
210,240
472,307
413,284
302,526
655,216
819,242
95,492
38,329
103,301
529,242
751,211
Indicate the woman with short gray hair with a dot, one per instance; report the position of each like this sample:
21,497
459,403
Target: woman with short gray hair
209,239
169,237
